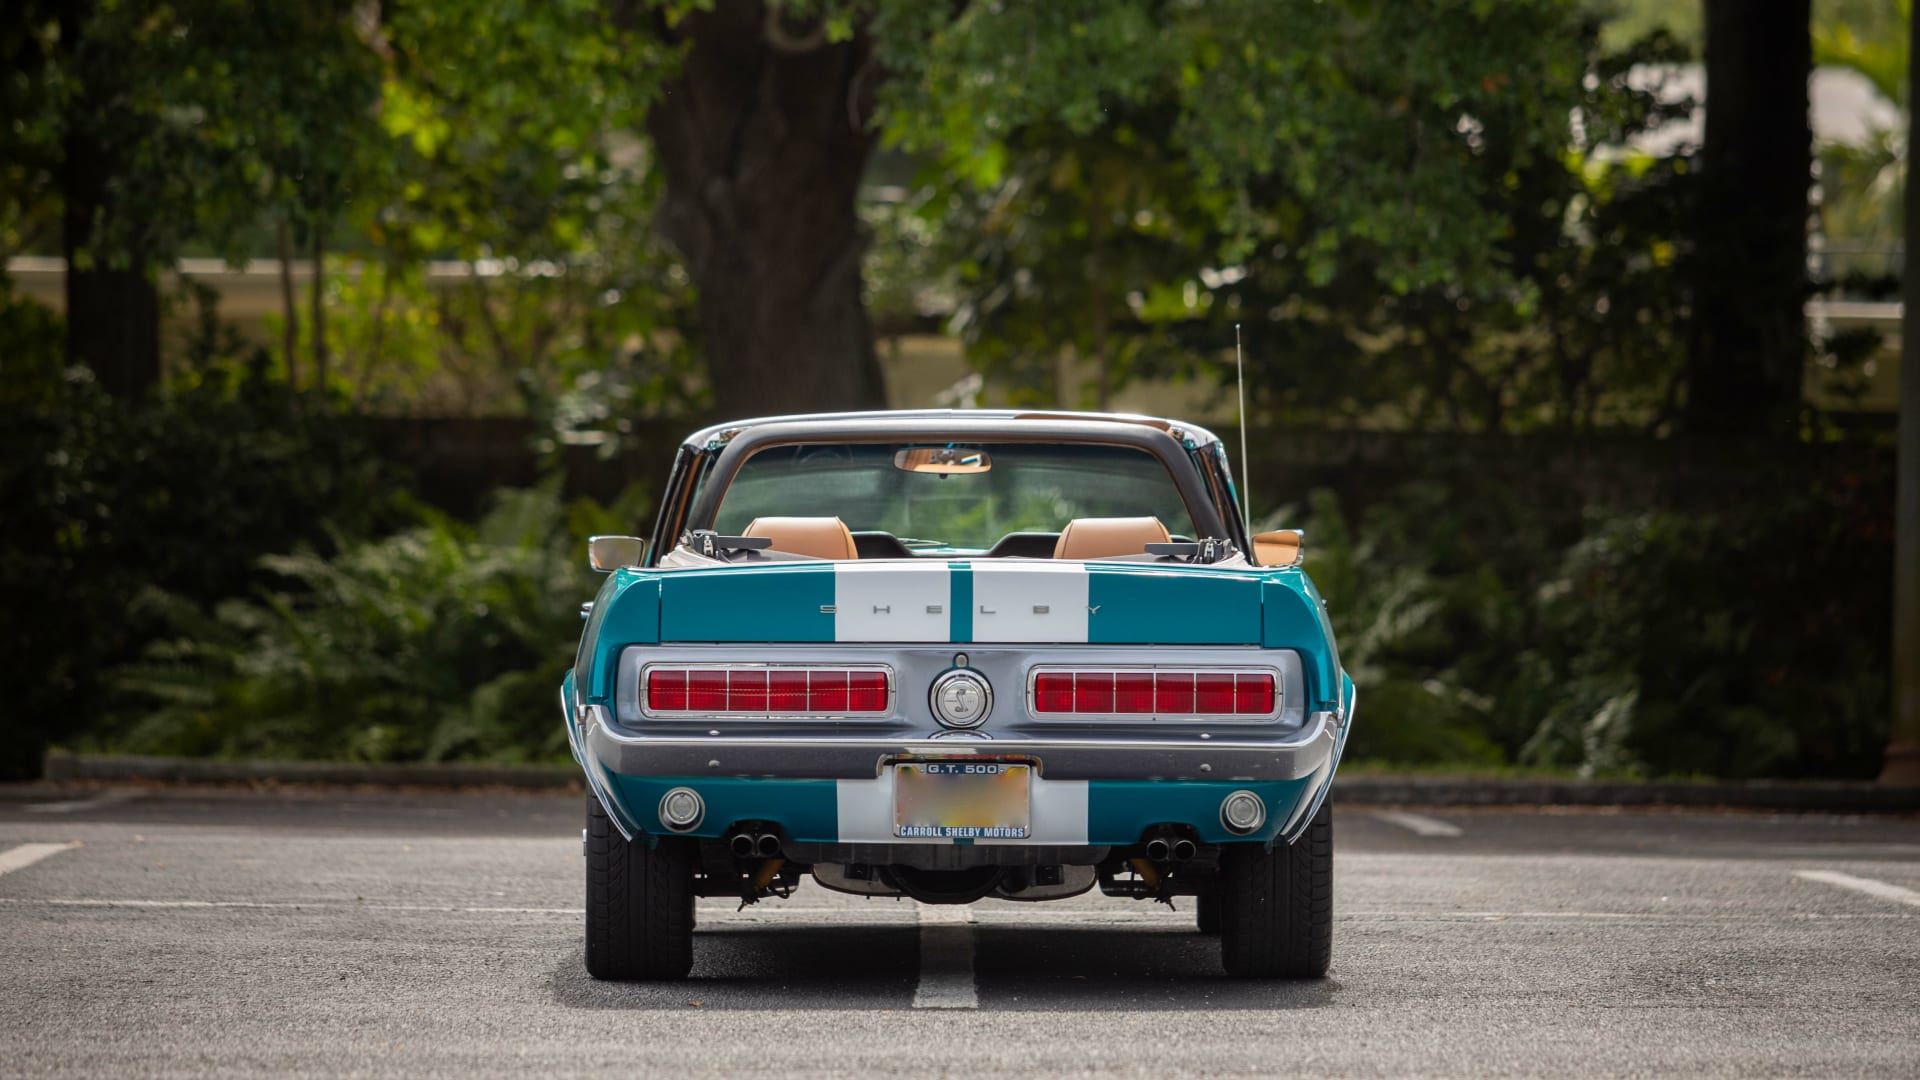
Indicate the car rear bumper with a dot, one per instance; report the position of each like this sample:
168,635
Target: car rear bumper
1157,756
822,788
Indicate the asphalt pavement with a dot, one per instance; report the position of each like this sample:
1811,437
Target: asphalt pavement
171,932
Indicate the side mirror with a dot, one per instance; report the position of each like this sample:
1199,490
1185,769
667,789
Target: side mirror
609,553
1285,547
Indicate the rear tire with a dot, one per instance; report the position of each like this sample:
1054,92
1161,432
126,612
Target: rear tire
1277,906
1206,912
639,903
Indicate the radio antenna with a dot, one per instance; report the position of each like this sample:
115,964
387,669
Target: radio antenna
1240,381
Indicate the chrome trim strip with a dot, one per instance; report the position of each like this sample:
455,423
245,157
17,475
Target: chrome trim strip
1279,694
588,718
695,714
1343,722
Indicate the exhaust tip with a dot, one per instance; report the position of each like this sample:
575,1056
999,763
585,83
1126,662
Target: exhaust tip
1184,849
1157,849
741,844
766,845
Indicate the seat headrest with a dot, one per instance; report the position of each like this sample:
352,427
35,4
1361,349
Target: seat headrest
1103,538
820,537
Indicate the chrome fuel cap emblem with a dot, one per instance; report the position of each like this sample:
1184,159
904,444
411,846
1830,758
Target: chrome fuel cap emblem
961,698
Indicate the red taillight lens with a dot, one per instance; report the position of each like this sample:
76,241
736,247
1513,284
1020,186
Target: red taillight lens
787,691
827,692
1174,692
747,691
866,691
1212,693
707,691
1053,692
1156,693
1093,691
667,691
1133,692
1253,693
779,691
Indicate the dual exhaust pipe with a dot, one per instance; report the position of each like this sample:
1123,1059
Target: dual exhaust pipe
746,845
1179,849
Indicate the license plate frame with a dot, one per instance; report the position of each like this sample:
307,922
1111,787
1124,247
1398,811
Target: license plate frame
962,800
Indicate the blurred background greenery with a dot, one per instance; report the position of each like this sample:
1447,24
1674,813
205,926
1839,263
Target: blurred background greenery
329,330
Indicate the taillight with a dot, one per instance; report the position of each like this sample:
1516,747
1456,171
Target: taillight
1202,693
767,691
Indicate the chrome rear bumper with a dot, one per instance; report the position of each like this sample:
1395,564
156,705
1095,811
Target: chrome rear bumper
1160,755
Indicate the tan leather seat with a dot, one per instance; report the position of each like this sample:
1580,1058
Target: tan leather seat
1103,538
820,537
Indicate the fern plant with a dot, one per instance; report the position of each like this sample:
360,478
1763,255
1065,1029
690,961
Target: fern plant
443,641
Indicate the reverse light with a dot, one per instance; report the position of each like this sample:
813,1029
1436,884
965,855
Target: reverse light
1242,811
748,690
682,808
1212,694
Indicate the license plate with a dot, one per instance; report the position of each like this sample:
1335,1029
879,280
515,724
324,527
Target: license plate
961,800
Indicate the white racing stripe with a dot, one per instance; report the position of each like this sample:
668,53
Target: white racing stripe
27,854
1878,889
74,806
892,603
946,958
1030,602
1419,824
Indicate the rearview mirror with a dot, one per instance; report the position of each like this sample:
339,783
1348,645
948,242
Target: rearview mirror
609,553
942,460
1283,547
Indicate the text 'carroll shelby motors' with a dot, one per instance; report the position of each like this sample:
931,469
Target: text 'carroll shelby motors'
953,655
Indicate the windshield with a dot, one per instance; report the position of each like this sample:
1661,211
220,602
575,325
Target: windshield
1026,487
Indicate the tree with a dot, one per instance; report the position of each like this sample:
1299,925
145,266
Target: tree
1482,263
1748,344
1903,750
110,240
763,137
1358,110
161,125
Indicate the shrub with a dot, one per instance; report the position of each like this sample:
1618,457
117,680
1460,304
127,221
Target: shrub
104,498
1743,640
442,641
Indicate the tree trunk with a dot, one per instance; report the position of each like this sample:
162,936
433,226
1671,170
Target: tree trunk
764,139
113,305
319,318
1097,292
289,311
1903,747
1748,342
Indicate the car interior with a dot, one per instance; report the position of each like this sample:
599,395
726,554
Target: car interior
829,538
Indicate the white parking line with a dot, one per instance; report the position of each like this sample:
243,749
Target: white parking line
74,806
27,854
1419,824
946,958
1879,889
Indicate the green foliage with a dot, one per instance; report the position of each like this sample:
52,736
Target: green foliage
508,138
1388,611
104,498
1482,262
441,641
1734,641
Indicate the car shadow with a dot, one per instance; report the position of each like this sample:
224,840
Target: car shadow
1170,970
782,967
1015,968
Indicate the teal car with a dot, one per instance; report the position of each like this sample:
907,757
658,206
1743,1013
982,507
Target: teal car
954,655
